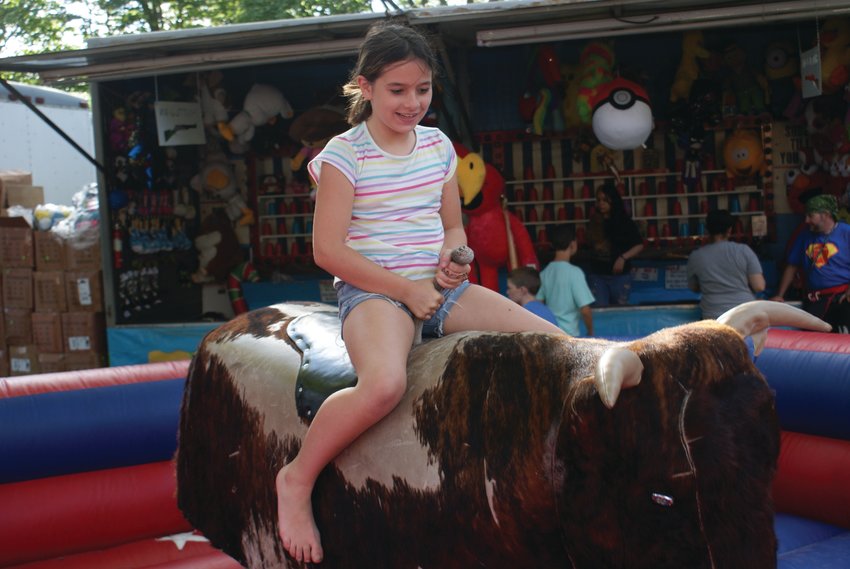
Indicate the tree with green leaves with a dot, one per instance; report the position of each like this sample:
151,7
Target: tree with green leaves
33,26
37,26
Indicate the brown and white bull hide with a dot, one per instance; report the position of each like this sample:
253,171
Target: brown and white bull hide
501,454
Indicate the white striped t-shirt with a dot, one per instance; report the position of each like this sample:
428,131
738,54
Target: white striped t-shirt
395,220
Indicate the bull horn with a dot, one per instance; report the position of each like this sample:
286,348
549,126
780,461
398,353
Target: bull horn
755,317
617,368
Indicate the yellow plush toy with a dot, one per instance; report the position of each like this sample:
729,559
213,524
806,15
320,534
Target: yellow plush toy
743,155
835,54
569,75
688,71
782,69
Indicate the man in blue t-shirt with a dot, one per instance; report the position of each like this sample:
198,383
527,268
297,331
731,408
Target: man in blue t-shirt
523,284
822,252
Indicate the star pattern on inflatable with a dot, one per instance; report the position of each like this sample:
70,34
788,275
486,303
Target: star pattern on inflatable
181,539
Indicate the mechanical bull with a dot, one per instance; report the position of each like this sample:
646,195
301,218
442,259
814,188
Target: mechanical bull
508,450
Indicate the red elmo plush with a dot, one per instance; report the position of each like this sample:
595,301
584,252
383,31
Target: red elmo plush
496,235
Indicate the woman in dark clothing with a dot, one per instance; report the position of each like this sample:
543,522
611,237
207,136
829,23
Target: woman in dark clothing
614,240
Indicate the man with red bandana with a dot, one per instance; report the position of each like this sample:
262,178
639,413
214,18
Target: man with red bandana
822,251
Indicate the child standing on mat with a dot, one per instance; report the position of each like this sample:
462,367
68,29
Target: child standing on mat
563,285
522,287
386,220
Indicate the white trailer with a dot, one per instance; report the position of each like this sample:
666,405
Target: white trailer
28,143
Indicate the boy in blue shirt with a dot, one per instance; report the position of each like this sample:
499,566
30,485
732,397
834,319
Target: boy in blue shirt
564,286
523,284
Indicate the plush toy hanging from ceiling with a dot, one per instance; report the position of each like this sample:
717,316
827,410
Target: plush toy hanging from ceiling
835,54
218,248
825,162
693,49
213,98
217,179
569,107
497,236
263,105
689,120
622,117
596,65
746,90
782,69
314,128
694,105
743,154
541,102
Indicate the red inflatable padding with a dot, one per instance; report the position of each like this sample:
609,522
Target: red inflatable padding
146,554
813,479
62,515
212,561
98,377
807,341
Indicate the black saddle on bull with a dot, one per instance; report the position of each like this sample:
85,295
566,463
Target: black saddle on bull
325,365
507,451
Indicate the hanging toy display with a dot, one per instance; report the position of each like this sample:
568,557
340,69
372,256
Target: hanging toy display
596,64
835,54
746,90
138,290
743,154
218,248
540,105
782,68
313,129
152,210
262,105
622,117
693,49
217,179
569,106
688,123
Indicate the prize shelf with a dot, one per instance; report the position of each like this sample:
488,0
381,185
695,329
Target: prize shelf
288,234
283,232
660,203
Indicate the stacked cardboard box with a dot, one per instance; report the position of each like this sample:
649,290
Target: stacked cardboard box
52,302
16,189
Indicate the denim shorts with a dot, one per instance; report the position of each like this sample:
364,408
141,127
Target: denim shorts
350,296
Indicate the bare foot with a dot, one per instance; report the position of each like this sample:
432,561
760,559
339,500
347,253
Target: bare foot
295,519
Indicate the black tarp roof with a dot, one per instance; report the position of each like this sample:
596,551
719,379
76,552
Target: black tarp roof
468,25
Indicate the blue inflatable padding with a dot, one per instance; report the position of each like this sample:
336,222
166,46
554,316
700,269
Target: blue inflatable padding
827,554
812,390
88,429
794,532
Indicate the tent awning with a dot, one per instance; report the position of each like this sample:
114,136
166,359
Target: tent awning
487,24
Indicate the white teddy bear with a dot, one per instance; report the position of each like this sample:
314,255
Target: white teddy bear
263,104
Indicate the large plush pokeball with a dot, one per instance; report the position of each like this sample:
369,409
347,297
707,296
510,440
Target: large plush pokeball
622,118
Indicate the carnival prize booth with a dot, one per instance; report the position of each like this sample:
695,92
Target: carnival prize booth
206,207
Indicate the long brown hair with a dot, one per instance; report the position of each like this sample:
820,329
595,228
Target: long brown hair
386,42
